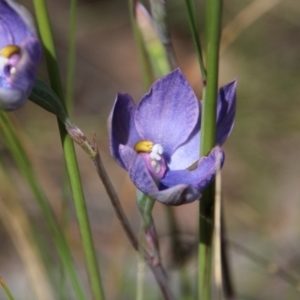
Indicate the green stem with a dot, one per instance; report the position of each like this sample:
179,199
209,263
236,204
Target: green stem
209,108
69,106
69,152
146,205
71,57
208,138
140,289
195,35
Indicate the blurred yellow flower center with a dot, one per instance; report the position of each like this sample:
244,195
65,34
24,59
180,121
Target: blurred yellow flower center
143,146
10,50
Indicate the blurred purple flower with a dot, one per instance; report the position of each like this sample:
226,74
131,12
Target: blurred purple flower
20,53
158,140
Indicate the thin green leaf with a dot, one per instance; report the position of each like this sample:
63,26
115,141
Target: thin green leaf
208,138
195,35
69,152
42,95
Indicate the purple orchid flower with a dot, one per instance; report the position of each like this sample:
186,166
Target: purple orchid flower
158,140
20,53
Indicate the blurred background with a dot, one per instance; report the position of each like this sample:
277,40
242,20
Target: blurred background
261,191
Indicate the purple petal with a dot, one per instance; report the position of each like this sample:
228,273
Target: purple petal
142,179
14,23
121,128
189,152
15,88
137,170
199,177
168,113
177,195
226,111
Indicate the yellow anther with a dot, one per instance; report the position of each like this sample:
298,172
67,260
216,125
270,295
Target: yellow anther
10,50
143,146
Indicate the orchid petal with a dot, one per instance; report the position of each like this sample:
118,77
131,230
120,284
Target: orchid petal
140,176
137,170
14,27
168,113
226,111
18,67
185,155
169,117
177,195
188,153
200,177
121,127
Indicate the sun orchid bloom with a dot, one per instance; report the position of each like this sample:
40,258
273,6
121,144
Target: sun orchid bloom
157,141
20,53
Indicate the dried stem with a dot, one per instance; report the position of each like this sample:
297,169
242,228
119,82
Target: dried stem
115,200
93,152
229,290
156,268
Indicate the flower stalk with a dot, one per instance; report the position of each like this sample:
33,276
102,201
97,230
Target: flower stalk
157,269
93,152
208,140
69,152
195,35
71,57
